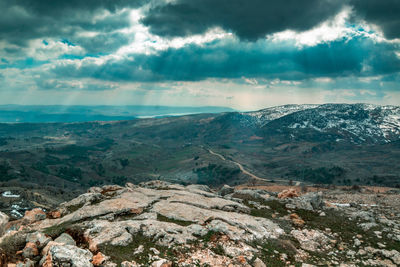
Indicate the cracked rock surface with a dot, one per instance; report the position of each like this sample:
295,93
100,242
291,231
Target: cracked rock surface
162,224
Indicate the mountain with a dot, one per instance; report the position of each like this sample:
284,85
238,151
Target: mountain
331,144
357,123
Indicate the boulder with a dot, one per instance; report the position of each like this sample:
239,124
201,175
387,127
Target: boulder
34,215
30,251
38,238
55,214
199,187
65,239
225,190
259,263
310,201
67,255
161,263
312,240
46,249
26,263
3,222
288,193
98,259
296,220
129,264
249,194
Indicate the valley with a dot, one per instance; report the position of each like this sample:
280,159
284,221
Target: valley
330,145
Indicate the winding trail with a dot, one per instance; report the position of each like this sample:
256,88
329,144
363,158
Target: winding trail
243,170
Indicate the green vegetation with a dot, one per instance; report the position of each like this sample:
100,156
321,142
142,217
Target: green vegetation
40,166
119,180
70,173
321,175
105,144
56,230
163,218
3,141
11,244
124,162
73,208
119,254
215,174
269,247
4,168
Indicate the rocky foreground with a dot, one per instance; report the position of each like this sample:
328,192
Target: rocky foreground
162,224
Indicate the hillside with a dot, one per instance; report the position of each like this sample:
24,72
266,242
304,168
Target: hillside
46,163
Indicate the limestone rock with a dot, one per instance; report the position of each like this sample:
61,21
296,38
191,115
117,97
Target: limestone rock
296,220
3,222
26,263
65,239
67,255
289,193
98,259
80,201
259,263
30,251
38,238
199,187
311,240
34,215
129,264
310,201
225,190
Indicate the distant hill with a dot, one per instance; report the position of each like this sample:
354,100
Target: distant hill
59,113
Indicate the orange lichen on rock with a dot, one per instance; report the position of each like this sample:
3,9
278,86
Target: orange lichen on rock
288,193
34,215
98,259
296,220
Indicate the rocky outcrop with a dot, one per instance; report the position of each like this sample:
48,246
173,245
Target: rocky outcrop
3,222
162,224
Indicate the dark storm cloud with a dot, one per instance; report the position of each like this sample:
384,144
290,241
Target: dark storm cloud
102,43
67,85
383,13
249,19
25,20
232,59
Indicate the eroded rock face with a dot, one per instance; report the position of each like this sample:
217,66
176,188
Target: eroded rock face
160,224
239,223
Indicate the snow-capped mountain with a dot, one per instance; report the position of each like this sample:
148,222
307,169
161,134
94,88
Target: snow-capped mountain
264,116
357,123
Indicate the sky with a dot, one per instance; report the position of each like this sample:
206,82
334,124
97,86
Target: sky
244,54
